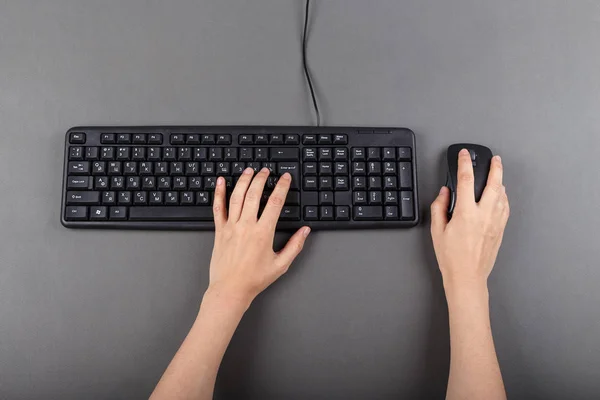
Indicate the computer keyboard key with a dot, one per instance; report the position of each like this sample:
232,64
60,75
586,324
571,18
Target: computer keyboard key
184,154
389,183
194,183
340,154
246,139
172,198
91,153
261,139
176,168
76,153
215,154
210,182
389,168
293,168
155,138
260,154
123,153
117,213
389,154
202,198
107,153
207,139
107,138
311,213
161,168
292,139
140,198
359,198
223,168
109,198
326,183
373,154
186,198
98,168
359,168
271,166
324,139
391,213
404,154
78,182
149,182
325,154
325,168
169,154
341,183
310,168
255,165
101,182
276,139
326,213
368,213
290,213
129,168
375,198
374,168
77,138
177,138
237,168
359,182
192,139
407,205
358,154
309,154
192,168
310,183
405,170
182,213
285,154
83,197
132,182
390,198
326,198
341,168
224,139
139,138
98,213
246,154
342,213
231,154
340,139
117,182
200,154
79,168
374,183
179,183
155,198
124,138
76,213
309,139
124,198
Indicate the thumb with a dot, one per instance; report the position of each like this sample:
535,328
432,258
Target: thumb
439,211
292,248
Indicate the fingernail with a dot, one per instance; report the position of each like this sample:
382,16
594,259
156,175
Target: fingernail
306,231
464,152
498,158
248,171
220,181
442,189
265,169
286,176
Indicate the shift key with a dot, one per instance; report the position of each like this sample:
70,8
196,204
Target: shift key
83,198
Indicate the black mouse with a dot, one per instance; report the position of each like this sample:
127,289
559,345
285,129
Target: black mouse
481,157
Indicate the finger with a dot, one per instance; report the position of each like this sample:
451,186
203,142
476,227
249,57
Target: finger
465,189
253,195
271,213
219,206
439,211
292,248
493,188
236,202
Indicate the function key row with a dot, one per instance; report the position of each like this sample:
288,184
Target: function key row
292,139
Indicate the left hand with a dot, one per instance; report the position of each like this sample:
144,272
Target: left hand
243,262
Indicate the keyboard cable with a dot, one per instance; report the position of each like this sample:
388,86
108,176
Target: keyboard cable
305,65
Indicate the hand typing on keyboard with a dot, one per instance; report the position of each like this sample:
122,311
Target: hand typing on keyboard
466,250
243,264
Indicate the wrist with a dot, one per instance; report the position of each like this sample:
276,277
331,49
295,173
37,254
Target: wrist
226,298
472,289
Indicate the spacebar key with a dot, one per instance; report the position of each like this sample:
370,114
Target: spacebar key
170,214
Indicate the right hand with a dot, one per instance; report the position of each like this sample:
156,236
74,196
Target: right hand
466,247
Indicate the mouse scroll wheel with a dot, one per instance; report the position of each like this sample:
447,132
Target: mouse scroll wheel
473,157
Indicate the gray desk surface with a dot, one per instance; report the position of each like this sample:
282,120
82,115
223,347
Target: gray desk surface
95,314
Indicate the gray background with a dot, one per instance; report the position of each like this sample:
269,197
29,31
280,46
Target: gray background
99,314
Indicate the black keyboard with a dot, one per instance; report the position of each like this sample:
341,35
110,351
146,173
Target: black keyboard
163,177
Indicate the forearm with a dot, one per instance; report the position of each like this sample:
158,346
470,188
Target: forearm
193,371
474,369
